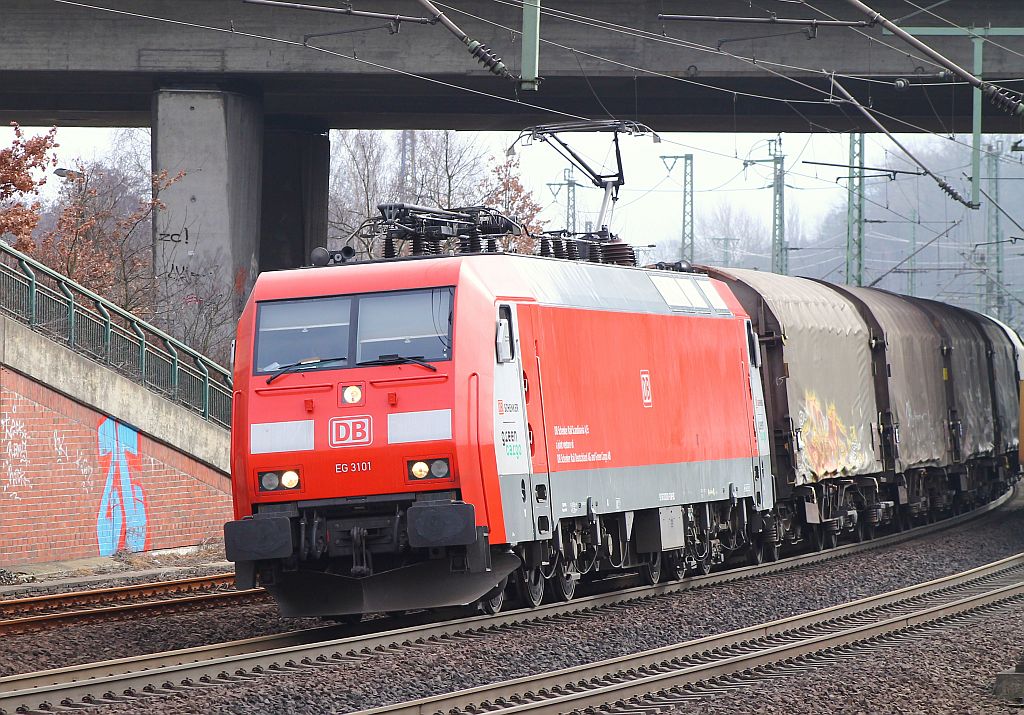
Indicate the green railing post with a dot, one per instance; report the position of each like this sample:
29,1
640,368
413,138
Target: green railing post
142,349
31,291
201,364
147,334
174,368
71,311
108,330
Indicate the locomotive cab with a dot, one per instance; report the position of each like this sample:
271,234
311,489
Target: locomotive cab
348,475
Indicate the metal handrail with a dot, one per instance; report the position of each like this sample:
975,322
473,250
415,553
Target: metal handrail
68,312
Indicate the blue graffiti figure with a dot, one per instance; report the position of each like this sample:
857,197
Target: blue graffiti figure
123,508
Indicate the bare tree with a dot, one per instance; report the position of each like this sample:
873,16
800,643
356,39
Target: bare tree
197,307
452,167
363,175
731,234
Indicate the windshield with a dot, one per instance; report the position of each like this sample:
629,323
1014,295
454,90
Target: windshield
416,323
410,324
295,330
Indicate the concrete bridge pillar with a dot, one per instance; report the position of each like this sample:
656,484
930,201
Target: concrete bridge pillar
252,197
207,236
296,172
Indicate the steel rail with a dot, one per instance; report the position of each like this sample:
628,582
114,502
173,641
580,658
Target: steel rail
594,685
29,624
305,647
50,601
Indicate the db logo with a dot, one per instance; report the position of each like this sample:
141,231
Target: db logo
501,407
645,388
351,431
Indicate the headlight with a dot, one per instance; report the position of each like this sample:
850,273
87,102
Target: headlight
428,469
352,395
276,481
269,481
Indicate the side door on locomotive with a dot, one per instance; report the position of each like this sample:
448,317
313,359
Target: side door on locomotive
525,491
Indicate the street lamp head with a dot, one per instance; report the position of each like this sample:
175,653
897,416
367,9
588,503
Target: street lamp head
69,174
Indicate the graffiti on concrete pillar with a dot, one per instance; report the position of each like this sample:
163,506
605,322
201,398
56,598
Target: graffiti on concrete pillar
121,522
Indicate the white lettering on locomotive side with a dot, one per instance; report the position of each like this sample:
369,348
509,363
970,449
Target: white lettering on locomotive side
353,431
350,467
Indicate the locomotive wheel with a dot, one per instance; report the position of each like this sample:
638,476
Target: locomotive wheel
677,566
650,569
704,565
493,601
530,585
562,583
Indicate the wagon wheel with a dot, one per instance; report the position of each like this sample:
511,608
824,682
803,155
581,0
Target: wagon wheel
818,536
831,538
755,551
860,530
530,585
769,550
650,569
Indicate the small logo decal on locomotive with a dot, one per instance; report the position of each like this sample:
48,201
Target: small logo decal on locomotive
351,431
645,388
505,407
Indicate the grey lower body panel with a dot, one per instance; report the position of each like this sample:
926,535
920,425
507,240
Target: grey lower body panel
618,489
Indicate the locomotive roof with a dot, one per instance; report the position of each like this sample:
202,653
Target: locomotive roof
550,281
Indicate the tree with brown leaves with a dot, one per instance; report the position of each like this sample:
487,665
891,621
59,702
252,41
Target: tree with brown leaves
101,234
22,167
506,193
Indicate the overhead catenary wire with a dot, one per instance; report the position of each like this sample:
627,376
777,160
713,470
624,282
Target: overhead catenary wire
759,63
942,183
324,50
967,30
645,70
996,94
908,257
342,11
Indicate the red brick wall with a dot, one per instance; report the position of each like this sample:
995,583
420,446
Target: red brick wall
74,483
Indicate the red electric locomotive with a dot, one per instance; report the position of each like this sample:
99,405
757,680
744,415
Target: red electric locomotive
412,433
415,432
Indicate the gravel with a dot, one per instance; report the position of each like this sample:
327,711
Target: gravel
122,569
444,666
950,671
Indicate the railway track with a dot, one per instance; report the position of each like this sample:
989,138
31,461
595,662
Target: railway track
661,677
196,668
25,615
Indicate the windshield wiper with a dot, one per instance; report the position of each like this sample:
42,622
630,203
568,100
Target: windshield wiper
292,367
398,360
